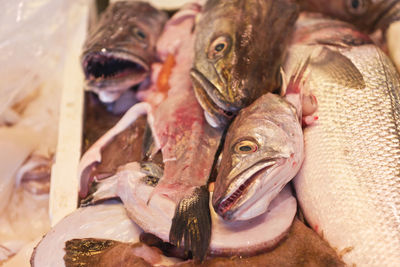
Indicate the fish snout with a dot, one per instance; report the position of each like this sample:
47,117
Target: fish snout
218,111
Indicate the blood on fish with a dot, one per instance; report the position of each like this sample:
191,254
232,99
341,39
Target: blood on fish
165,73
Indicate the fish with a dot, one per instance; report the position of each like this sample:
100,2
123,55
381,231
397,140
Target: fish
349,184
368,15
172,202
302,247
120,48
180,132
263,151
239,49
103,221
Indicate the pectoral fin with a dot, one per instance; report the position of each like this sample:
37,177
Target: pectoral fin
330,64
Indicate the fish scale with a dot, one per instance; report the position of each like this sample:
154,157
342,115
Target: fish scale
349,185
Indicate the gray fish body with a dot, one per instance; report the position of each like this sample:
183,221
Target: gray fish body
349,184
239,49
121,47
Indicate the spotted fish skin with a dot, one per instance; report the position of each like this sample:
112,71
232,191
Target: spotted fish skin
349,184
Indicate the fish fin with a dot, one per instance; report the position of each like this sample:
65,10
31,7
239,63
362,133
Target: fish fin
148,145
101,190
85,252
296,81
191,225
295,91
334,65
153,173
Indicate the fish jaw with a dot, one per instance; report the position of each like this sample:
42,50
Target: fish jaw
204,90
111,72
251,192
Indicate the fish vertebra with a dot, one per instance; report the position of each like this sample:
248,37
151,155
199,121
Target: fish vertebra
349,184
239,49
118,52
263,151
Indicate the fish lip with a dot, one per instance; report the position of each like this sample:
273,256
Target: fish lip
218,114
223,205
114,83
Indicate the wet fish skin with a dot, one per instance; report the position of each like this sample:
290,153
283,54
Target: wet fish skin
263,150
368,15
349,184
119,50
239,48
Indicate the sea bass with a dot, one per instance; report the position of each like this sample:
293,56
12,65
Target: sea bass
263,151
119,50
349,184
239,49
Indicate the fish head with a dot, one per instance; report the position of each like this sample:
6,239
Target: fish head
262,152
121,47
368,15
314,28
236,58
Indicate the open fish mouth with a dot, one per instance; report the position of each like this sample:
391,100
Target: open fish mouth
243,190
113,70
218,111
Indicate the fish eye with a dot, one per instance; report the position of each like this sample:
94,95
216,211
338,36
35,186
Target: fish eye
218,47
139,34
357,7
245,147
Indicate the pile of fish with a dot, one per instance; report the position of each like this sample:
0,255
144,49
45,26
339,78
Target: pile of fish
227,103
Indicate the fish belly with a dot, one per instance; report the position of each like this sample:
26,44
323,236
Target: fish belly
349,185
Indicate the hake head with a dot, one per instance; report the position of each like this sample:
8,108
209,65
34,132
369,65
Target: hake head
238,52
262,152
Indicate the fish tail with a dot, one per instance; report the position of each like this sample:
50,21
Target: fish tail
191,225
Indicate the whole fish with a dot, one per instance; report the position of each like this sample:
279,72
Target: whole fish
119,50
239,48
367,15
349,184
263,151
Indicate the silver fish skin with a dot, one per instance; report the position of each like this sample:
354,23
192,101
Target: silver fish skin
349,184
121,47
263,151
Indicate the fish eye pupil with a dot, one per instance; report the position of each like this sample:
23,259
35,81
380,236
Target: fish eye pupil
219,47
355,4
245,148
139,33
